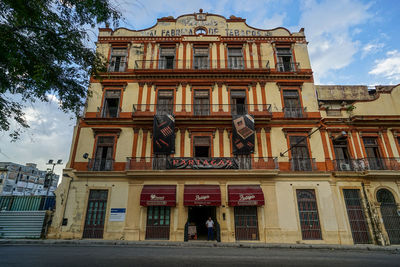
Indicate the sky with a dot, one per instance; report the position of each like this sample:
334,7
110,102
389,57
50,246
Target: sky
351,42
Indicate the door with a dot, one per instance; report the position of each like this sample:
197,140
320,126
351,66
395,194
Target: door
300,156
390,215
246,223
158,222
104,154
308,214
374,158
291,101
355,213
95,214
342,161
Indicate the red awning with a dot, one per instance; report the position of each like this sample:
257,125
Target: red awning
245,195
202,195
158,195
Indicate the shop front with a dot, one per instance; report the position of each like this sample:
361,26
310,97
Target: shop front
158,199
245,199
202,202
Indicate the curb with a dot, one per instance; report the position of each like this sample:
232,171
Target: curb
82,243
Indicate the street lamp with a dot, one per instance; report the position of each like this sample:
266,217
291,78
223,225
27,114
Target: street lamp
51,173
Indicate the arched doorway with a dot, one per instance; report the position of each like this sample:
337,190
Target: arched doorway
390,215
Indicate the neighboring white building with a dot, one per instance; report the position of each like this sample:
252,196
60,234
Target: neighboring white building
28,180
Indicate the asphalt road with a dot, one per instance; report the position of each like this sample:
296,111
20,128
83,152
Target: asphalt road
43,255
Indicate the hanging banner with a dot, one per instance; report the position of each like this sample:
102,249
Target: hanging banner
164,134
202,163
243,134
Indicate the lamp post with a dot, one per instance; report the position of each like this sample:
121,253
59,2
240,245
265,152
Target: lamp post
51,173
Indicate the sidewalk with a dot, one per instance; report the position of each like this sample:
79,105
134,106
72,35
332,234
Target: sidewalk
92,242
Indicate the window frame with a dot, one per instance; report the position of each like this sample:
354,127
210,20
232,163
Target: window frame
298,134
300,98
208,112
317,210
103,100
173,105
115,140
229,62
126,57
199,134
162,57
207,66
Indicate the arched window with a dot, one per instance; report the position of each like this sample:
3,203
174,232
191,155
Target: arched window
385,196
201,30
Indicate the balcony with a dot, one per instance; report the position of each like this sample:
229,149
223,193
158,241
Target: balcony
101,165
297,112
190,65
168,163
366,164
202,110
288,67
304,164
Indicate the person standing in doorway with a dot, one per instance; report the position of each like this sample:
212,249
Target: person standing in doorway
210,227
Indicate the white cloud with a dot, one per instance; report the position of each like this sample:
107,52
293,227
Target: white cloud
388,67
371,48
328,26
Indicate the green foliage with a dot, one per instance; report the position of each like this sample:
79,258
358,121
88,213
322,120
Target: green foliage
43,50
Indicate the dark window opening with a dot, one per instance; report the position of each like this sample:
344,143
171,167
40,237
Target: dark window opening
202,147
165,102
111,104
103,160
238,102
235,58
300,160
200,58
284,57
118,60
201,103
167,58
292,105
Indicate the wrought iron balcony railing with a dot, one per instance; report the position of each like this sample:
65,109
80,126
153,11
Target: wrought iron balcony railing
204,65
101,165
113,112
288,67
304,164
290,112
366,164
203,109
165,162
121,67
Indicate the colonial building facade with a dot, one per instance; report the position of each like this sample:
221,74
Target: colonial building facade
202,116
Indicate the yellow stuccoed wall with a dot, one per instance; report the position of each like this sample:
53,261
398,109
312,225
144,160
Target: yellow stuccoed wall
278,219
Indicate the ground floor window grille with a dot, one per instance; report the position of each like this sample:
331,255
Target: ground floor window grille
158,222
355,212
308,213
246,223
390,215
